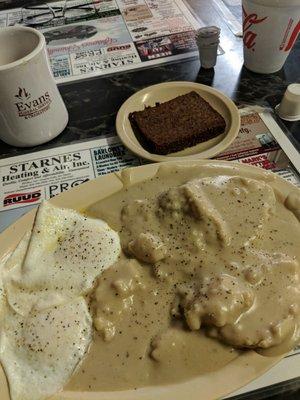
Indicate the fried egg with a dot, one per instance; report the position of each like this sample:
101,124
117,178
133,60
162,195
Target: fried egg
60,260
45,325
40,351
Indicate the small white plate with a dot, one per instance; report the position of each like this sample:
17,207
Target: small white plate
166,91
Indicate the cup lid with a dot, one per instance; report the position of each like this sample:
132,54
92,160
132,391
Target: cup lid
208,31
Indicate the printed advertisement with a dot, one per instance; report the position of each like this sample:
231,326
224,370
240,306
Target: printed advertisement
166,46
89,38
150,19
255,145
27,180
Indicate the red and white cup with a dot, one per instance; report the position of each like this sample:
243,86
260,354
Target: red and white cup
270,30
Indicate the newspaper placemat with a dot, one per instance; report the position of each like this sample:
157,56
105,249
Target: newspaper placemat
28,179
122,36
262,142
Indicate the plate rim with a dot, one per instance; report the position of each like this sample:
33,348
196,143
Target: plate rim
216,149
241,371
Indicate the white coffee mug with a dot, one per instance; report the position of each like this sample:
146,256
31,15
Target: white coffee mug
32,111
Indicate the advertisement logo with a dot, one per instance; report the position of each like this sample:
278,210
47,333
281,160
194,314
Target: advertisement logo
249,36
19,198
118,48
23,94
290,37
30,108
63,186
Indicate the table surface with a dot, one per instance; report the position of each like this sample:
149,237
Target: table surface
102,97
93,104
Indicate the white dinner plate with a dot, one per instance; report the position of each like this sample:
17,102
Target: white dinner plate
166,91
246,367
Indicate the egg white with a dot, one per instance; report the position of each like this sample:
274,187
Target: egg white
40,351
60,260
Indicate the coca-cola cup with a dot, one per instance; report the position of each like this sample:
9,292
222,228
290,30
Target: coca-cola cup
270,30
